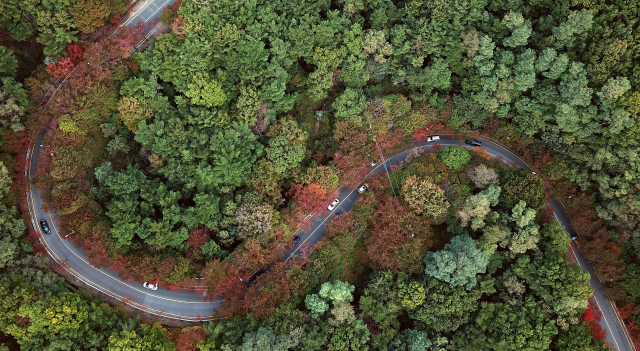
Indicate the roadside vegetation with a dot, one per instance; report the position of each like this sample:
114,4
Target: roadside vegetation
204,154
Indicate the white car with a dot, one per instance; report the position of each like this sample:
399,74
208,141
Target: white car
363,188
333,204
433,138
373,164
150,286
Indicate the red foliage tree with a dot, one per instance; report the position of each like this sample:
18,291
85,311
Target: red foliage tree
399,239
256,253
593,316
308,200
273,287
60,69
189,338
596,331
96,249
634,333
625,309
548,213
420,134
354,155
352,168
391,142
223,279
605,255
38,248
198,236
339,225
175,6
76,52
122,266
18,144
440,128
482,152
596,244
588,315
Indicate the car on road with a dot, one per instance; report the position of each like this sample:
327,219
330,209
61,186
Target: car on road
534,173
45,226
254,278
296,239
373,164
433,138
474,142
333,204
339,213
150,286
363,188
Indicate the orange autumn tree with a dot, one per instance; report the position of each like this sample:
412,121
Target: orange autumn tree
399,239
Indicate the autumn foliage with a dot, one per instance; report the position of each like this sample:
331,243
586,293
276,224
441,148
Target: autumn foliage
399,239
595,243
189,338
61,68
593,316
310,200
482,152
421,134
198,236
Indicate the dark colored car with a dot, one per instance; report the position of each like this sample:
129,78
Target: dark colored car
296,239
474,142
339,213
45,226
254,278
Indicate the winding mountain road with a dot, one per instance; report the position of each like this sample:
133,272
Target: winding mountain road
188,306
185,305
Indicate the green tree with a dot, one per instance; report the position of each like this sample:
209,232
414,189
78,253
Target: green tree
62,320
264,339
8,62
520,185
205,91
411,294
316,304
458,263
578,338
337,292
283,155
144,338
477,207
350,103
445,308
520,29
455,156
516,328
577,24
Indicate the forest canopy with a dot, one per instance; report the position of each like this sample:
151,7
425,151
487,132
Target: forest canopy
206,152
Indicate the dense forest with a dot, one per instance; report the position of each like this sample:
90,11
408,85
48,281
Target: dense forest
203,154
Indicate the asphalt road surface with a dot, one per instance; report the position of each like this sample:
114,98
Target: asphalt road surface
146,12
187,305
